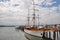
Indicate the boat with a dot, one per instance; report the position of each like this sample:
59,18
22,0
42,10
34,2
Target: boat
34,30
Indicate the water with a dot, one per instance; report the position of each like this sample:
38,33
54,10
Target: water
9,33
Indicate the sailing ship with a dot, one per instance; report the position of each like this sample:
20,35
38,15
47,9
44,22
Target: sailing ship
34,29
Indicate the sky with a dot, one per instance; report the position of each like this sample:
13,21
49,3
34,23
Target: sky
14,12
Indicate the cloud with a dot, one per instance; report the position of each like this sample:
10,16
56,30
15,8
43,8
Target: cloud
49,16
15,12
12,13
48,3
4,0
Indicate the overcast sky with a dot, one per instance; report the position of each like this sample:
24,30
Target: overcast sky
14,12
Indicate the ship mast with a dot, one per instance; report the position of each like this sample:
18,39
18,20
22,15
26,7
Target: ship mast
28,17
34,14
34,18
38,20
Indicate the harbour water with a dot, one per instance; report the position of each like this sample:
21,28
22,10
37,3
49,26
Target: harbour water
10,33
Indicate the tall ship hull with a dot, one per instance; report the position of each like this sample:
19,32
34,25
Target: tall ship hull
34,32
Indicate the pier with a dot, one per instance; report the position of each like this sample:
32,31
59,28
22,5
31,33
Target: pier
52,32
54,35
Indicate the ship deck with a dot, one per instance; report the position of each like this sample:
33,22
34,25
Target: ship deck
43,29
